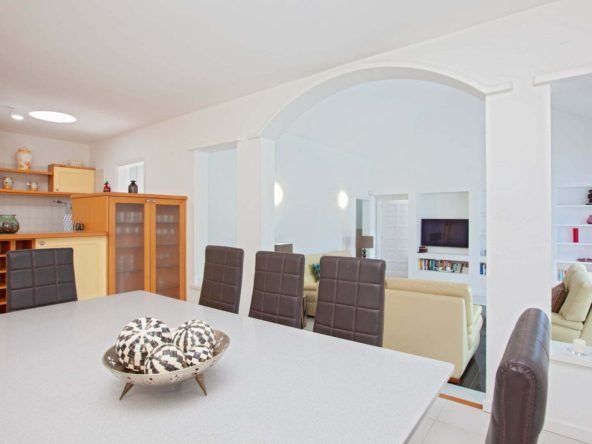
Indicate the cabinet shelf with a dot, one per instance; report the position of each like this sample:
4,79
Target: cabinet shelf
35,193
17,171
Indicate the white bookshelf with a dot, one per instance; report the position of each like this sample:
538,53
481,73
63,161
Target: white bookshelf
571,212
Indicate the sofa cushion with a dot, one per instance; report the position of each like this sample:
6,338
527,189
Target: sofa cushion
437,288
309,259
558,319
579,297
571,272
558,295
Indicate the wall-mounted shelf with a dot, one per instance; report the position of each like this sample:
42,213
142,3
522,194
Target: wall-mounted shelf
35,193
17,171
575,244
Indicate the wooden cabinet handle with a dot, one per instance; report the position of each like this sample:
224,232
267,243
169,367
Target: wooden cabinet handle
41,243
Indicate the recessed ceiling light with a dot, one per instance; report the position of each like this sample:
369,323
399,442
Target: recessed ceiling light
17,116
53,116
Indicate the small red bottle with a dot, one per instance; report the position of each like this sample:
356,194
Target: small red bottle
106,187
575,235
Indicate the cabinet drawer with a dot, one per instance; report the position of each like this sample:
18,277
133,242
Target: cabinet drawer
90,262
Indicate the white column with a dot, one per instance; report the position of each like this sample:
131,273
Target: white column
518,213
255,224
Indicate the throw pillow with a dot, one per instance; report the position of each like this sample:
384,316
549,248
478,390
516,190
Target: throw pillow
579,298
316,270
558,295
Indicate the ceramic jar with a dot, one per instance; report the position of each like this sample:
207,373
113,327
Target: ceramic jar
33,186
8,224
133,187
7,182
589,220
24,158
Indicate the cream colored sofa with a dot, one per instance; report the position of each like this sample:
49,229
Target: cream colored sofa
311,286
433,319
574,319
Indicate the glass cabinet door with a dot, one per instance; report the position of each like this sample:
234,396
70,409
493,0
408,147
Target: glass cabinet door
167,219
130,247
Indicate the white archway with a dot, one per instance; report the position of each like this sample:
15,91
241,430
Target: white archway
333,84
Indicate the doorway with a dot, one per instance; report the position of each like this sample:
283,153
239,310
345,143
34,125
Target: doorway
393,234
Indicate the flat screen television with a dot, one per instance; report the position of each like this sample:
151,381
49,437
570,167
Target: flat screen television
445,233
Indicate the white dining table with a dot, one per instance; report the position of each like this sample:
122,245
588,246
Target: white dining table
273,384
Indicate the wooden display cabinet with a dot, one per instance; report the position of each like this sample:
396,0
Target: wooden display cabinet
146,239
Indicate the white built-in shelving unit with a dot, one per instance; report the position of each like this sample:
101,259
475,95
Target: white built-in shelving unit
570,211
452,205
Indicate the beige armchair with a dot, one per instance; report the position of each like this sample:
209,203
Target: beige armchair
433,319
311,286
574,319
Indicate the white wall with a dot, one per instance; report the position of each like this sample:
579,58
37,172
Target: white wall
572,149
551,39
38,214
378,138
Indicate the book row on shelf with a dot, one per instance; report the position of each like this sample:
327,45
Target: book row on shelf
443,266
561,274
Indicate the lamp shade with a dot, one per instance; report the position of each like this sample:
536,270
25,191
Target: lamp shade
365,242
284,248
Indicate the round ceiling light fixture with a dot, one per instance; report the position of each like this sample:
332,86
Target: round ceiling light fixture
53,116
16,116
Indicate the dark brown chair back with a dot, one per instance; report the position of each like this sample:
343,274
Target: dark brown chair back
39,277
520,397
351,299
278,289
223,278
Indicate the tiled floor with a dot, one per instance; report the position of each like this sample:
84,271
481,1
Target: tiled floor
449,422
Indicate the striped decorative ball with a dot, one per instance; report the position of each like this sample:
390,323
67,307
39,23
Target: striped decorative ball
164,359
198,355
138,339
194,333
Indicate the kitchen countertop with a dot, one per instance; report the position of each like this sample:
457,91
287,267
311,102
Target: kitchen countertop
51,234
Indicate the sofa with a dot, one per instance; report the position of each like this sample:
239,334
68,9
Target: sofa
574,318
311,286
433,319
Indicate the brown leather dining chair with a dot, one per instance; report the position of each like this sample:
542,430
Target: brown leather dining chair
222,279
39,277
351,299
278,288
520,396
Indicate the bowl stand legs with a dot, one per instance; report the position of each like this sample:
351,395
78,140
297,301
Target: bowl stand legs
198,378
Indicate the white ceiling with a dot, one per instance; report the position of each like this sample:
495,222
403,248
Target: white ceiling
122,64
573,96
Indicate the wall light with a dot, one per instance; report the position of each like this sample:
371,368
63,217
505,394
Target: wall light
342,200
278,194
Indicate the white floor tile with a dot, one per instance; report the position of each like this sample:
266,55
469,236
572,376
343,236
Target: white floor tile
441,433
422,431
552,438
464,417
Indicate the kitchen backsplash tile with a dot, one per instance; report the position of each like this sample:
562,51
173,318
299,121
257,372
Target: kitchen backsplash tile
35,214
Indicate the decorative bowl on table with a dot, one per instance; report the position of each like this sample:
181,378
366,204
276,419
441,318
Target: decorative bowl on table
112,362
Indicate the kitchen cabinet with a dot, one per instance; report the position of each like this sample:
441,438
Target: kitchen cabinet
68,179
146,239
90,262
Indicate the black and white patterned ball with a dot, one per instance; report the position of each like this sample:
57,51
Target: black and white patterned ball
138,339
193,333
198,355
164,359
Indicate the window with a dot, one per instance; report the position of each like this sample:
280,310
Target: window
129,172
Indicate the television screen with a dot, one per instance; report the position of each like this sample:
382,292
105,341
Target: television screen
445,233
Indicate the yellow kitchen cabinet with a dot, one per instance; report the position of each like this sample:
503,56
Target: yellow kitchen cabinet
90,262
67,179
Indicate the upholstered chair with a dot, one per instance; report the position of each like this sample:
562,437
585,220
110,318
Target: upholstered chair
222,279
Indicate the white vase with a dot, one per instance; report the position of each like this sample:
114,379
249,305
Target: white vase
68,225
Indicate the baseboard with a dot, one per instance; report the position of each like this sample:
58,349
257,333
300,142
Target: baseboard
461,401
487,405
573,431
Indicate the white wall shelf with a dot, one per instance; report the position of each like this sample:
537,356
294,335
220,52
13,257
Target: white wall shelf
575,244
444,257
